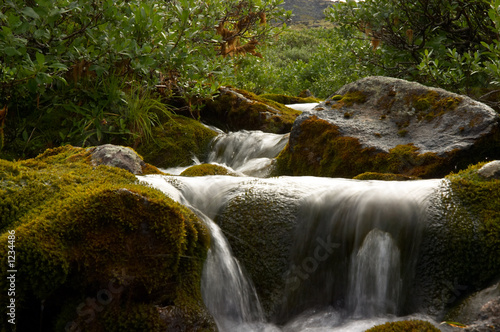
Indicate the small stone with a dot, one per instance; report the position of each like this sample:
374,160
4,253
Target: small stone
491,170
117,156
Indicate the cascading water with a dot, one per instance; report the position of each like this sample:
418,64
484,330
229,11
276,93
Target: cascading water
245,152
229,296
374,276
351,260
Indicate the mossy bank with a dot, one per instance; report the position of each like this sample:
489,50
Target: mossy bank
461,248
97,251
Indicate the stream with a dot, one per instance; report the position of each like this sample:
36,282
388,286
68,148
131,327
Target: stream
352,254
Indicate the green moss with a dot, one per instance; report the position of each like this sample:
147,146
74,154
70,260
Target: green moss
430,105
402,133
284,99
176,142
205,169
82,229
383,177
229,112
481,199
348,99
405,326
320,150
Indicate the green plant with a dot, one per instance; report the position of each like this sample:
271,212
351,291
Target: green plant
451,44
321,60
57,59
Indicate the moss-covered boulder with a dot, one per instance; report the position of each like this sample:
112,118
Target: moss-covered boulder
259,221
460,252
176,142
387,125
236,109
206,169
95,250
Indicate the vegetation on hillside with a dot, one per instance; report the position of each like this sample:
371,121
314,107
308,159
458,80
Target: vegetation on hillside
93,72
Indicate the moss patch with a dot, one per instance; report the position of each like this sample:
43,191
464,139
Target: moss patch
384,177
205,169
405,326
177,142
481,199
84,233
284,99
348,99
320,150
431,105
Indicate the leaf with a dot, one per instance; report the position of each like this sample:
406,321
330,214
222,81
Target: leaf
28,11
11,51
40,58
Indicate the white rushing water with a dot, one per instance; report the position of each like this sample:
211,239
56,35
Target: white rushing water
244,152
359,280
371,220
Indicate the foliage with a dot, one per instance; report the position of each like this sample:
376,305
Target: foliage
92,65
321,60
452,44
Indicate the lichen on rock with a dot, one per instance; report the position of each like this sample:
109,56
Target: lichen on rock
97,249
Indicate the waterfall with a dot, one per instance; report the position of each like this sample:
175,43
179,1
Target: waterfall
352,251
227,293
374,276
359,240
248,152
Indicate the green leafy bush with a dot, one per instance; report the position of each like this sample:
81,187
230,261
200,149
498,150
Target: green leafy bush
450,44
83,71
320,60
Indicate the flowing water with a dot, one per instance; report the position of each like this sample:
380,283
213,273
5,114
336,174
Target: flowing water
353,253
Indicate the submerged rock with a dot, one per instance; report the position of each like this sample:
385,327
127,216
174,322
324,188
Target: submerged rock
97,250
387,125
236,109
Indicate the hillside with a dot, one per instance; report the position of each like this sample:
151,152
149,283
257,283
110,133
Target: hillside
307,10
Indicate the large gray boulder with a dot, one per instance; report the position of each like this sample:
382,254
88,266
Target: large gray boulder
388,125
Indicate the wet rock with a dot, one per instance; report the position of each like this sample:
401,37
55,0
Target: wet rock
387,125
491,170
479,311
